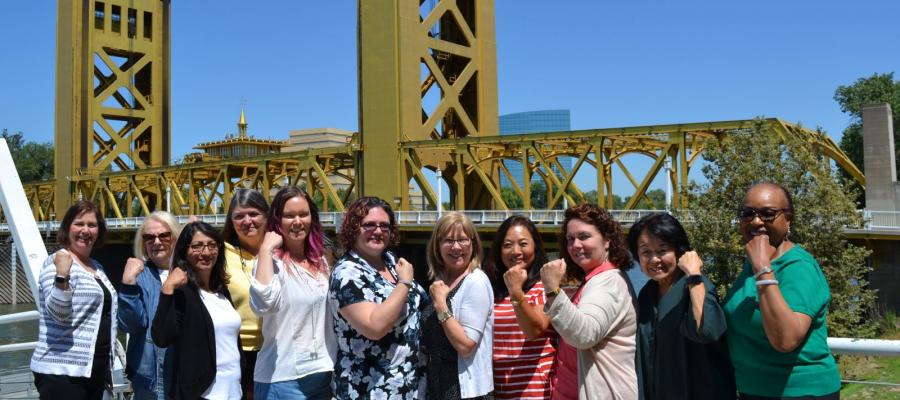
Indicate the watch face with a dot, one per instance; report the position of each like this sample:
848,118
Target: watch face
694,279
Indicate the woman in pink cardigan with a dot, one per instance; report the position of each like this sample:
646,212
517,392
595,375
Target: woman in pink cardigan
597,326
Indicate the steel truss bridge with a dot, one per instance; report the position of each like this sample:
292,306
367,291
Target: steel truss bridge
113,115
202,188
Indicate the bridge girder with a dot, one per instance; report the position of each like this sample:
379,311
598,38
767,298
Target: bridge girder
198,188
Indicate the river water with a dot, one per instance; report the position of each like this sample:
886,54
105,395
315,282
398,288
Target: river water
20,332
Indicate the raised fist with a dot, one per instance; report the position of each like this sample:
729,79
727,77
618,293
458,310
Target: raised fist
133,268
552,274
404,270
63,262
177,278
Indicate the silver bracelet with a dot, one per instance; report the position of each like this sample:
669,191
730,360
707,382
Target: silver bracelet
765,270
766,282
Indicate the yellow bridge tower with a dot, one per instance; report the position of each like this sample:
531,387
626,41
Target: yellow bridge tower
112,90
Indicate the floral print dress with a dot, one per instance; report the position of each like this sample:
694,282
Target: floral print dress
388,368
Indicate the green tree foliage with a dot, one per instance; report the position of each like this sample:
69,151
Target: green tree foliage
511,198
538,196
878,88
823,207
34,161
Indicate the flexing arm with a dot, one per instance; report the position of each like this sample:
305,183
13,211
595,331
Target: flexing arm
785,328
374,320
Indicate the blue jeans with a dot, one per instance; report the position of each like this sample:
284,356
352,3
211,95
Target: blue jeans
313,386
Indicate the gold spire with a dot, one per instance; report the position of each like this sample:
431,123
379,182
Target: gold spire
242,125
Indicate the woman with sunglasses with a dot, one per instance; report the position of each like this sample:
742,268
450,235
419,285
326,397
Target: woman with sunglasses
289,290
196,319
77,329
245,227
776,310
457,336
681,350
147,366
375,305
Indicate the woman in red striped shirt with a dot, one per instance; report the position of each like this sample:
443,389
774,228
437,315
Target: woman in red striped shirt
523,341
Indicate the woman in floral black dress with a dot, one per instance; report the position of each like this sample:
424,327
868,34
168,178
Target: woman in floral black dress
376,307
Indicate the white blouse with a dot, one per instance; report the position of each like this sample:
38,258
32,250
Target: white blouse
298,333
227,325
473,307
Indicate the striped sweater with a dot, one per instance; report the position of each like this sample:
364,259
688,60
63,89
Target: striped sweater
67,331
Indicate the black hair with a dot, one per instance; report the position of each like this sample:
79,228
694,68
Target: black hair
218,278
663,227
495,268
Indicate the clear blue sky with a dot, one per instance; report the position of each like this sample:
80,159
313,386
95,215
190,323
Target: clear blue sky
611,63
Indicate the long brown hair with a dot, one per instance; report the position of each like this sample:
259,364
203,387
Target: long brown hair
606,225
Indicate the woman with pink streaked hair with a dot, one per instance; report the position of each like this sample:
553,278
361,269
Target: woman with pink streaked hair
289,290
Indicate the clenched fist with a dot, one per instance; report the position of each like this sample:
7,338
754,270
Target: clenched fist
63,262
404,270
439,291
177,278
552,274
690,263
271,241
133,268
514,278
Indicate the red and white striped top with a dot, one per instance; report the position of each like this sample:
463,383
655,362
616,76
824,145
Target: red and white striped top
522,368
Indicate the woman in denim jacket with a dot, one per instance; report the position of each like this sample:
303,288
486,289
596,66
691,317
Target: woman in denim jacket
148,366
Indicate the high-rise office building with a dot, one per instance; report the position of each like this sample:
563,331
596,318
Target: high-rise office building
530,122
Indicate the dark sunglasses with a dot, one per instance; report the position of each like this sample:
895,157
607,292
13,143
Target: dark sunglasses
163,237
766,215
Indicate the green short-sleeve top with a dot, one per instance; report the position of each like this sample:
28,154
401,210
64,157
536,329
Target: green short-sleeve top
761,370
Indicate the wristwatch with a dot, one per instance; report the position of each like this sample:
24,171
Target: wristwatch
61,279
693,280
444,316
408,283
553,292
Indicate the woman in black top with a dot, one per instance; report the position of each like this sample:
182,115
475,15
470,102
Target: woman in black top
681,350
183,319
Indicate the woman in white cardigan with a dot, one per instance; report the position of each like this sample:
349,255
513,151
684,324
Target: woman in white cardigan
458,336
597,327
77,329
289,290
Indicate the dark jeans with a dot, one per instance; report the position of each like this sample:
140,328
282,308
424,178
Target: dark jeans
833,396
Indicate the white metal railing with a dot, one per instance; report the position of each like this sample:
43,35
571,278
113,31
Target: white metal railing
873,220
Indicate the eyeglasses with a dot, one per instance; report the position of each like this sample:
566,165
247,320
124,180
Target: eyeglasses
212,247
766,215
464,242
163,237
371,226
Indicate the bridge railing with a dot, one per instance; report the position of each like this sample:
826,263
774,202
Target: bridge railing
873,220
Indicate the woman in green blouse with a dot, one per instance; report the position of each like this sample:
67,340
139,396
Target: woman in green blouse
776,310
681,350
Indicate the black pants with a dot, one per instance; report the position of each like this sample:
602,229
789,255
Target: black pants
53,387
833,396
247,374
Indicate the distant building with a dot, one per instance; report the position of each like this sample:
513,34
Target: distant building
315,138
240,146
531,122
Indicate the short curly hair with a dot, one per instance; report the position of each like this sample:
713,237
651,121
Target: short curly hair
606,225
354,215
